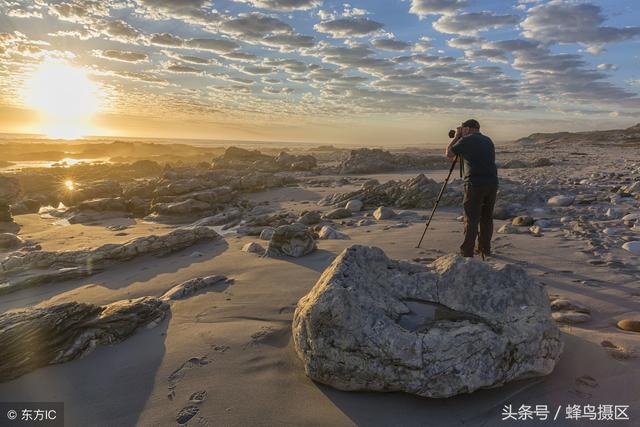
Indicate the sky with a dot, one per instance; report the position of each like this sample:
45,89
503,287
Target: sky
374,71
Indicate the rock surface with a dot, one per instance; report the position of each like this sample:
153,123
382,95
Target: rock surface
253,247
192,286
293,240
383,213
329,233
25,269
372,323
38,336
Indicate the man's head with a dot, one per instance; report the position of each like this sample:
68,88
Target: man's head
470,126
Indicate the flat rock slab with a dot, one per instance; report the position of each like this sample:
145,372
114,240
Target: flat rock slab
372,323
38,336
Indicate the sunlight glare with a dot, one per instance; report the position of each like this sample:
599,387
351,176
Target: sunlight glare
69,185
64,96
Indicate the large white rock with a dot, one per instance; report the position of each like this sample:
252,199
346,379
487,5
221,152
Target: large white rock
372,323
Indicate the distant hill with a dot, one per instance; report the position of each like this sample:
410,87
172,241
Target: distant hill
629,137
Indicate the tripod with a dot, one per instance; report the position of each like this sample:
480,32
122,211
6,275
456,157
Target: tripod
435,206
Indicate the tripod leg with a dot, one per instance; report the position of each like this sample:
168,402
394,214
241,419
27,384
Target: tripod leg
435,206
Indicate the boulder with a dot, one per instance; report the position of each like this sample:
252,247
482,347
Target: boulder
383,213
267,234
293,240
372,323
329,233
535,230
522,221
338,213
38,336
310,218
561,200
253,247
354,205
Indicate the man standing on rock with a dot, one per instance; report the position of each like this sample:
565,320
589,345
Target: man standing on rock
477,154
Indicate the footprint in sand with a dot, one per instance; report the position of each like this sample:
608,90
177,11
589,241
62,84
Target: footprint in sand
583,384
187,413
270,336
198,396
177,375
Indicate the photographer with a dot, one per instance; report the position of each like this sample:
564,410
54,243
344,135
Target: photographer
478,157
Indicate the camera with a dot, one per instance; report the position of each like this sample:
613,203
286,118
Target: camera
452,133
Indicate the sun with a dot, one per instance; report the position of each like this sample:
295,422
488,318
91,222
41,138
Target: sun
65,98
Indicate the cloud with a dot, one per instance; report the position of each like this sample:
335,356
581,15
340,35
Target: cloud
357,56
189,58
472,23
465,42
561,22
290,65
166,39
215,45
390,44
284,5
79,12
492,55
241,56
562,77
289,42
120,31
257,70
122,55
349,27
193,11
254,26
435,7
607,67
181,68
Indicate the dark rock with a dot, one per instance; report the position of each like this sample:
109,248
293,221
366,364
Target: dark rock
293,240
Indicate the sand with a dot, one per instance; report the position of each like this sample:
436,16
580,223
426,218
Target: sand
235,343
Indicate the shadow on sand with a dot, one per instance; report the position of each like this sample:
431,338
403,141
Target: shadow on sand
110,386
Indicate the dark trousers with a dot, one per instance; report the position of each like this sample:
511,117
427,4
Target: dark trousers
478,212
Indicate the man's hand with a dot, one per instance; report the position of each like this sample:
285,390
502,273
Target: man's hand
447,152
458,133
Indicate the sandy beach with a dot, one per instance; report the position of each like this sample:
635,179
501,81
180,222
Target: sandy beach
230,347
